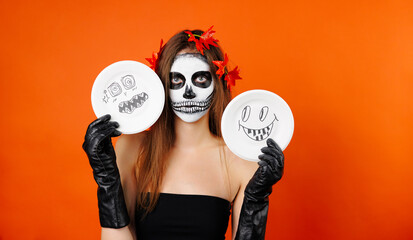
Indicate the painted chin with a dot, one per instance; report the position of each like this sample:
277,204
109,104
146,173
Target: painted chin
190,117
191,110
258,134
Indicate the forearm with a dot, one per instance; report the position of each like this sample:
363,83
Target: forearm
112,207
253,220
102,158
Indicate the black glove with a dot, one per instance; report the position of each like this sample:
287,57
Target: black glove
99,149
254,211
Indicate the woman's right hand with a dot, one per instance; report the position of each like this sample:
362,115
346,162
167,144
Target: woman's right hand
98,147
102,158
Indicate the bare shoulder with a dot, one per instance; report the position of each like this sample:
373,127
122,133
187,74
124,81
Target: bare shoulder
127,148
130,140
240,169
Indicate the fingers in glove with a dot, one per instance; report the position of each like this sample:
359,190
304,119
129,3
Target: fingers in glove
102,119
278,158
102,140
269,172
111,124
271,151
108,132
262,163
266,176
105,125
263,170
106,135
115,125
102,127
96,125
270,160
102,130
116,133
272,143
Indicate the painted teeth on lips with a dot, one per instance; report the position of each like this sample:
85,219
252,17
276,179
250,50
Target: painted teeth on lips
190,104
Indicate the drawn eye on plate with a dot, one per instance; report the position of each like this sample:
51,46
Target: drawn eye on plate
263,113
245,113
115,89
128,81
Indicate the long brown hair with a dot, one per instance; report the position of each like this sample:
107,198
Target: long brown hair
151,162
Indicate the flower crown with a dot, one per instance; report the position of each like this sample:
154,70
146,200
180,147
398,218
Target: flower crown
203,42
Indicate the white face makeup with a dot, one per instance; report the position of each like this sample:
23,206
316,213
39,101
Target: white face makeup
191,86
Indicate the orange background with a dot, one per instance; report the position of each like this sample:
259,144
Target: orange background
345,69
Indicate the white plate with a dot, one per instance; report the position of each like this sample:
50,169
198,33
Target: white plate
251,118
131,93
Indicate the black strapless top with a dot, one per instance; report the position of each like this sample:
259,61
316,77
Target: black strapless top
181,216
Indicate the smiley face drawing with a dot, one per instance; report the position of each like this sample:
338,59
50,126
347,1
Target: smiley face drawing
257,123
251,118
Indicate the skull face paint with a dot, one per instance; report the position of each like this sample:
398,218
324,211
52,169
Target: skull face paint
191,86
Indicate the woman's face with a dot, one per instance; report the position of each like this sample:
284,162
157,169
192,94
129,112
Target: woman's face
191,86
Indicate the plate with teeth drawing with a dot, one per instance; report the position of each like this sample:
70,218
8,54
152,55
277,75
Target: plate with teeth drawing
251,118
131,93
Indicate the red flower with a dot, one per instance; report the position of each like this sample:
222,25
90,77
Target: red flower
208,39
221,66
154,60
203,41
231,77
198,43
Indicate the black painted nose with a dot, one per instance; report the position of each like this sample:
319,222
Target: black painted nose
189,93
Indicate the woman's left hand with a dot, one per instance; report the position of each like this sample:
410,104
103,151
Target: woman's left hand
270,171
254,211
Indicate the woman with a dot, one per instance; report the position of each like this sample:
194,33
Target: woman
179,180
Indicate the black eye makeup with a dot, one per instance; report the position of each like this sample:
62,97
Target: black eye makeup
177,80
202,79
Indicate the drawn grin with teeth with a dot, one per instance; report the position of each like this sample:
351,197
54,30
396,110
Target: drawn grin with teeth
260,133
132,104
